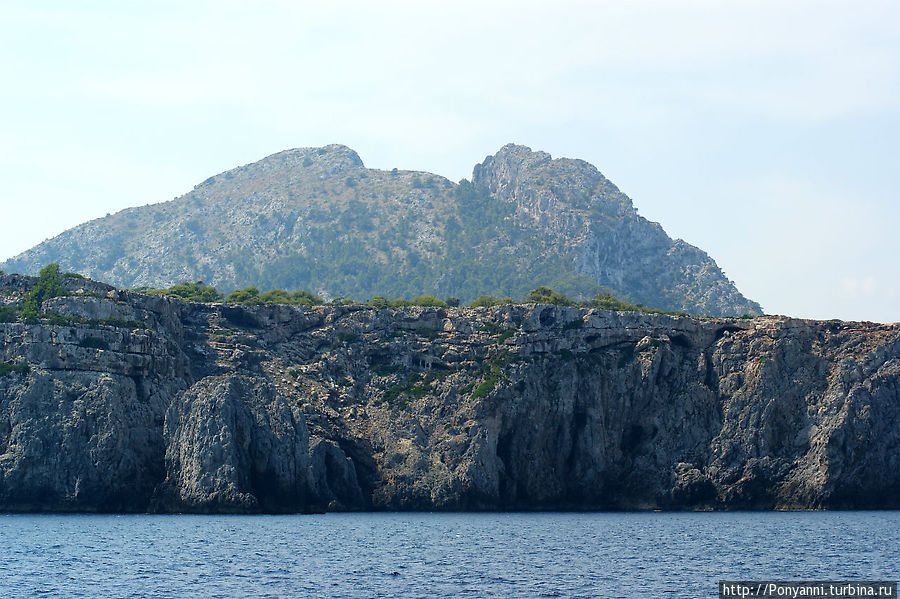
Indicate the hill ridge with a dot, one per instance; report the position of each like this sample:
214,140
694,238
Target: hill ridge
318,219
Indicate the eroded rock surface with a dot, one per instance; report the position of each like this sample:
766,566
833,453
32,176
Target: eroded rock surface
142,403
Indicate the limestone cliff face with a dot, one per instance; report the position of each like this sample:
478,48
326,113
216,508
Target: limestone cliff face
137,403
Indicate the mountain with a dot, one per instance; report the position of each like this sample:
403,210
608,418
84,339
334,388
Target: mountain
112,400
317,219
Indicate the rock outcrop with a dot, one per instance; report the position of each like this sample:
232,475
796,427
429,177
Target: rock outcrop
143,403
317,219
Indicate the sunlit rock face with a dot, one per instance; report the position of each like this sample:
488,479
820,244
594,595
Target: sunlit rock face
134,403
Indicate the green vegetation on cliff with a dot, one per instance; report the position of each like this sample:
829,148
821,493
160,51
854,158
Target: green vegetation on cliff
7,368
47,286
251,296
228,408
198,292
191,292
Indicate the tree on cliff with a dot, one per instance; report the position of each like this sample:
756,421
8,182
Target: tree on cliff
545,295
46,287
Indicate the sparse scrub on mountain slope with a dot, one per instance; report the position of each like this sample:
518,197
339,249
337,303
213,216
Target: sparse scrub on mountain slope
376,252
521,255
316,218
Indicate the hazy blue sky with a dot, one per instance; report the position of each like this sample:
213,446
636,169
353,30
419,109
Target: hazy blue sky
764,132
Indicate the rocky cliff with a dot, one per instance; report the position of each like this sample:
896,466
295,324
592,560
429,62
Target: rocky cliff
132,402
317,219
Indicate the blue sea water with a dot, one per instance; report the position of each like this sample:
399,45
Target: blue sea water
597,555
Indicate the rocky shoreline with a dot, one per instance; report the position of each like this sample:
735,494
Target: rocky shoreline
139,403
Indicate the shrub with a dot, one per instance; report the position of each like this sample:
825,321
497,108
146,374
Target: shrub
414,387
492,328
275,296
47,286
251,296
427,332
609,302
305,298
247,295
60,320
191,292
7,368
506,335
605,301
485,388
196,292
8,314
386,369
487,301
379,301
429,300
545,295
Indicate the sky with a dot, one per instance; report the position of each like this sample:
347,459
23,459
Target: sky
766,133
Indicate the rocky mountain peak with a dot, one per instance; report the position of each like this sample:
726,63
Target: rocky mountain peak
320,162
331,156
516,173
315,218
503,170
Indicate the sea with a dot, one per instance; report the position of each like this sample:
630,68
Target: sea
458,555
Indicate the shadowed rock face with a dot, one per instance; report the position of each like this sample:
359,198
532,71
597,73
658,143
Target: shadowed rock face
214,408
317,219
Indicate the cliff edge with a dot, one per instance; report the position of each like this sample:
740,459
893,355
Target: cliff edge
128,402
